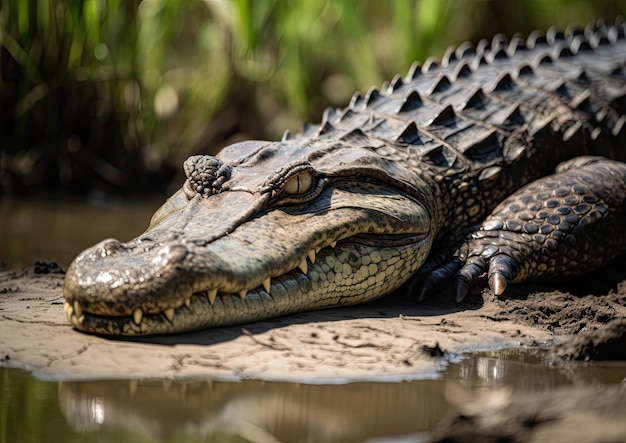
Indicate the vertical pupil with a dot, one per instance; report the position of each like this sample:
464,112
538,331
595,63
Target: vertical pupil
299,184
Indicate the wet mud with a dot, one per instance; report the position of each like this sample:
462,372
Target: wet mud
391,339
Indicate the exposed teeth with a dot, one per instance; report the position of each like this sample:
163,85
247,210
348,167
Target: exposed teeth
169,313
303,266
81,320
68,311
137,316
212,294
78,309
267,284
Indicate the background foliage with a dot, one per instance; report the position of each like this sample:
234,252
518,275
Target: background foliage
114,94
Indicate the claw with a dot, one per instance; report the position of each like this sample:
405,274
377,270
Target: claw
461,289
437,279
467,277
502,269
497,283
424,291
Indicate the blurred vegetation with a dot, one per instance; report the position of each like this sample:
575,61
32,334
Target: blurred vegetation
35,411
112,95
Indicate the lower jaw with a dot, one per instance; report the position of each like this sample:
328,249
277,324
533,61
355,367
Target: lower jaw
350,275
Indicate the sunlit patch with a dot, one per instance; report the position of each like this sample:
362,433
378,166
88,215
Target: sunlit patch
97,411
104,277
156,261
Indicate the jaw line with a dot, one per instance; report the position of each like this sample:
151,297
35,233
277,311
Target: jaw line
258,303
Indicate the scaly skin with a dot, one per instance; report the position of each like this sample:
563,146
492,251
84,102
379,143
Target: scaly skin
349,210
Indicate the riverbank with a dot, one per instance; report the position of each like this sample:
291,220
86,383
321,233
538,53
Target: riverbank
393,338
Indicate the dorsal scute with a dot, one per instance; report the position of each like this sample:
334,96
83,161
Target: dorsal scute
493,89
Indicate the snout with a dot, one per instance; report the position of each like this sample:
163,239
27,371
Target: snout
115,278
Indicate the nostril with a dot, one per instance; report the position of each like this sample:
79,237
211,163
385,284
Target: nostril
110,246
147,243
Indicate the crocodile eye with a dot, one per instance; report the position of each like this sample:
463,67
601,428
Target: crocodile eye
299,184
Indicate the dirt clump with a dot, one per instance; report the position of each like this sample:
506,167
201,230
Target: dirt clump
588,414
605,343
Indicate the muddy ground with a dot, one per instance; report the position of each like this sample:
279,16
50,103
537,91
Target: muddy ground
387,339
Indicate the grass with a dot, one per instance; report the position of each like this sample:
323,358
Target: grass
105,95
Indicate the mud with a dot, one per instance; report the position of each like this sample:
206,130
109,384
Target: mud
605,343
588,414
391,339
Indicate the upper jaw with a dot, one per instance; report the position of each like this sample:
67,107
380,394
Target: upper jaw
162,270
298,290
115,298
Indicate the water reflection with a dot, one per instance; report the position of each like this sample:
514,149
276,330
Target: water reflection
32,229
260,411
255,410
523,371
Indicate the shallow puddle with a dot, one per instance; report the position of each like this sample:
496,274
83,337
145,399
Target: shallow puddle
32,410
59,229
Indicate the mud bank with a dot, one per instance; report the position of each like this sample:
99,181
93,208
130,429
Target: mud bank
386,339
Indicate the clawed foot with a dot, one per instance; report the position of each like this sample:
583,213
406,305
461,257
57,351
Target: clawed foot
563,225
470,262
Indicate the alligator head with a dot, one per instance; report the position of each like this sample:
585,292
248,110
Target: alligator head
264,229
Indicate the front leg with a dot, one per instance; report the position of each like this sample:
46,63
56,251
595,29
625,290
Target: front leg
563,225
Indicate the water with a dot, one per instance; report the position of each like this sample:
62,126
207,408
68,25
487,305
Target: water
53,229
32,410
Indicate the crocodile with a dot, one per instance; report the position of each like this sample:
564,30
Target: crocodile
502,159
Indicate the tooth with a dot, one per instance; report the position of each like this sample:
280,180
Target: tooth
78,309
303,267
81,319
169,313
212,293
333,244
137,316
311,255
267,284
188,302
68,311
243,293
